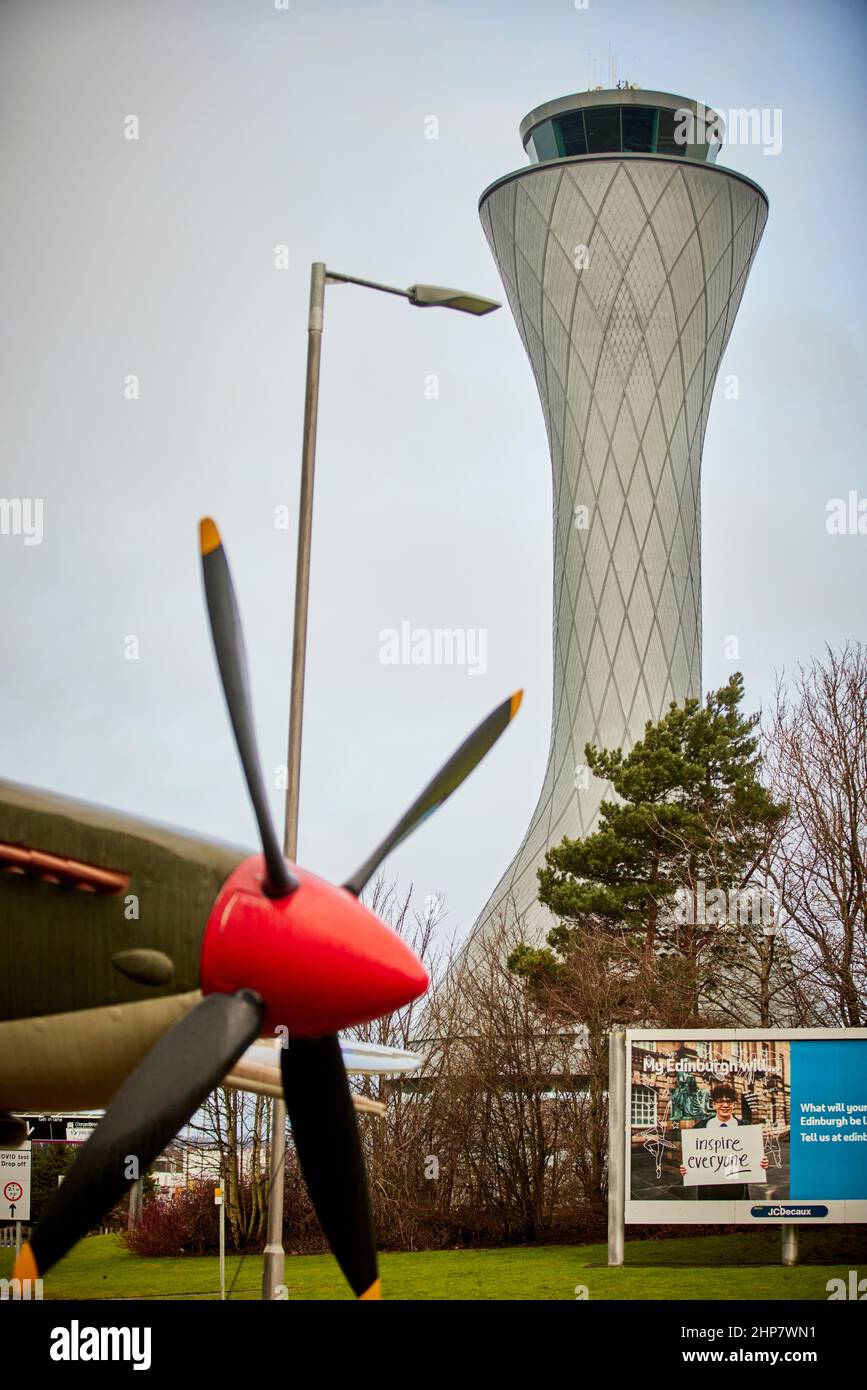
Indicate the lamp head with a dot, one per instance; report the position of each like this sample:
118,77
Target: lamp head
439,296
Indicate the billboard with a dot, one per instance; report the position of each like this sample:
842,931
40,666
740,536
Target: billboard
746,1126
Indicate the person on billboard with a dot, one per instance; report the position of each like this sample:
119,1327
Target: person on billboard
723,1098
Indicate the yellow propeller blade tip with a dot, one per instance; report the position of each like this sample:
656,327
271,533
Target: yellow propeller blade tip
25,1266
373,1294
515,703
209,536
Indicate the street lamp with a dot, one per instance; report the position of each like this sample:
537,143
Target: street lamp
421,297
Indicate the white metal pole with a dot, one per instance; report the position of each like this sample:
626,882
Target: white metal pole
616,1145
136,1202
274,1261
222,1250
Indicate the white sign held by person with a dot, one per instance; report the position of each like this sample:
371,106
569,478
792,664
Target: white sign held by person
723,1155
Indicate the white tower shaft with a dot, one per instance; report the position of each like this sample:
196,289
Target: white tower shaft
624,274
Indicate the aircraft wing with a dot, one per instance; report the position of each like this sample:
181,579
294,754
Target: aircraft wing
259,1068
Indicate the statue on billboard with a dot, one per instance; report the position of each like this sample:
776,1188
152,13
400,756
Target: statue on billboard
689,1105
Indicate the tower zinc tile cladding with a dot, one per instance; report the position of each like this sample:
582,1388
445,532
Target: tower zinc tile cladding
624,255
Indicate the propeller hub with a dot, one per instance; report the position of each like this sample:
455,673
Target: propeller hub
319,959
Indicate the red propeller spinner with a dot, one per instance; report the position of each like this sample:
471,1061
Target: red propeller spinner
320,960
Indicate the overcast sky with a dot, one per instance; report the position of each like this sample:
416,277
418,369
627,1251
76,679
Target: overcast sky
155,257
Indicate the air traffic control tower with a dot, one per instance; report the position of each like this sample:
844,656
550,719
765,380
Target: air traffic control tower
624,251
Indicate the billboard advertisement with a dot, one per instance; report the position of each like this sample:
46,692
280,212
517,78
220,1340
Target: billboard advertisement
746,1126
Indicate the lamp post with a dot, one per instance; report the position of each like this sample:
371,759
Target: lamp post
421,297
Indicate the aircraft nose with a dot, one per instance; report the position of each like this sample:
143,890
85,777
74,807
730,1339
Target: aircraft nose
319,959
347,967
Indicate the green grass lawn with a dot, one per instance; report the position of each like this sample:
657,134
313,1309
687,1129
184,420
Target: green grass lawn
745,1265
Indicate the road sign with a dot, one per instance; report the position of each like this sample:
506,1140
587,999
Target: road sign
79,1131
60,1129
15,1184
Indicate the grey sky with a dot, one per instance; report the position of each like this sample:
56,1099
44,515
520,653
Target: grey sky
260,127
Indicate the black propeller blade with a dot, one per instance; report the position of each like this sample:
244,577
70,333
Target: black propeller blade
317,1091
447,780
154,1102
232,660
329,1150
314,1077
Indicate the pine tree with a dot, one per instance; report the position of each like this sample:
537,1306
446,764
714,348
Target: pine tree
691,813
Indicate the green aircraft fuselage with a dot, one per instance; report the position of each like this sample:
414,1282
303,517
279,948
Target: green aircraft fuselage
58,941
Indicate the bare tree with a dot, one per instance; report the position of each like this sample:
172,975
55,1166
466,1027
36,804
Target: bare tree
237,1125
498,1136
816,760
398,1143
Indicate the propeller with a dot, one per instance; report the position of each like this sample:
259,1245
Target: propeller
228,640
154,1102
301,929
318,1099
327,1141
447,780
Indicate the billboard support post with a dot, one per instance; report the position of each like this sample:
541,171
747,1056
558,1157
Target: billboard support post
616,1144
790,1245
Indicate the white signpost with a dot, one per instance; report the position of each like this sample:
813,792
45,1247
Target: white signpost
218,1202
15,1184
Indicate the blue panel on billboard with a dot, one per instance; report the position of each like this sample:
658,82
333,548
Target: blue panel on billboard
829,1120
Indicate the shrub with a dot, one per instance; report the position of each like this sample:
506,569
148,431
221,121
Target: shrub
184,1222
